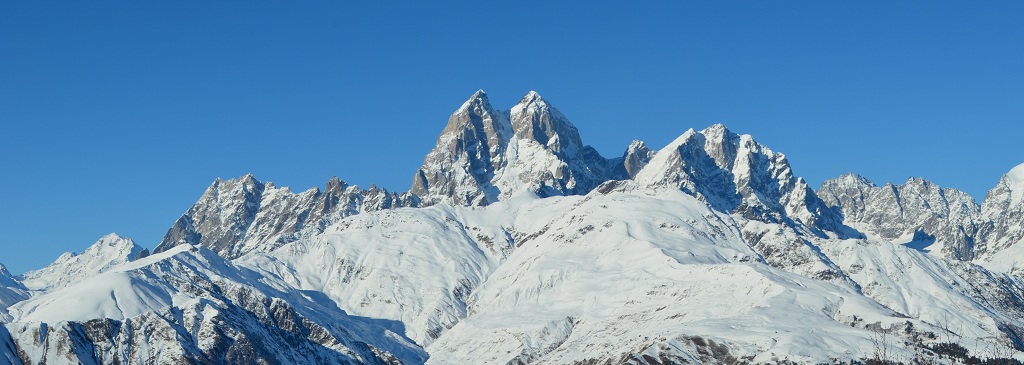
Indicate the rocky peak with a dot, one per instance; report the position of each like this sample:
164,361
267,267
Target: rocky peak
917,213
238,216
467,154
637,156
735,174
722,145
221,216
534,119
1007,193
848,191
483,156
1003,207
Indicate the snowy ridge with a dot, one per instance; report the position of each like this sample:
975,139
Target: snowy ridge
520,244
11,291
236,216
108,252
942,221
189,304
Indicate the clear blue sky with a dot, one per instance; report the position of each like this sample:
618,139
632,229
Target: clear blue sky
116,115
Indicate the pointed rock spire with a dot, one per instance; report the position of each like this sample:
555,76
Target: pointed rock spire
484,155
637,156
534,119
468,152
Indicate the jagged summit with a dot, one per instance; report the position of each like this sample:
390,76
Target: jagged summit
735,174
484,155
468,152
1003,208
637,156
534,119
917,213
237,216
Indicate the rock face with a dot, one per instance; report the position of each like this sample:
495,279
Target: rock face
484,155
11,291
735,174
925,216
917,213
636,157
1004,209
234,217
469,151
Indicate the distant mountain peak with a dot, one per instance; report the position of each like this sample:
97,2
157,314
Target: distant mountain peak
483,155
915,211
534,119
108,252
238,216
717,129
850,178
1015,181
735,174
531,97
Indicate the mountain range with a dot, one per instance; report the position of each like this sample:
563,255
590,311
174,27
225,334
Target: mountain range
518,243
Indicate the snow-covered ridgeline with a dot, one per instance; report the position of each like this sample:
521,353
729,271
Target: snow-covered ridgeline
534,248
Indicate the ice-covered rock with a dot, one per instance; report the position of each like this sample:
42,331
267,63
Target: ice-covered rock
918,213
237,216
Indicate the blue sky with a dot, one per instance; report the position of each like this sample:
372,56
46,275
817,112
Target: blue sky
117,115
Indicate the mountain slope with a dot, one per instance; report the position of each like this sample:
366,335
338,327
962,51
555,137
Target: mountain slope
597,282
108,252
11,292
188,304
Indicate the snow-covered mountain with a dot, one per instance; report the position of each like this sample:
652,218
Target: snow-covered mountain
188,305
1001,243
735,174
11,291
519,244
943,221
107,253
484,155
237,216
917,213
